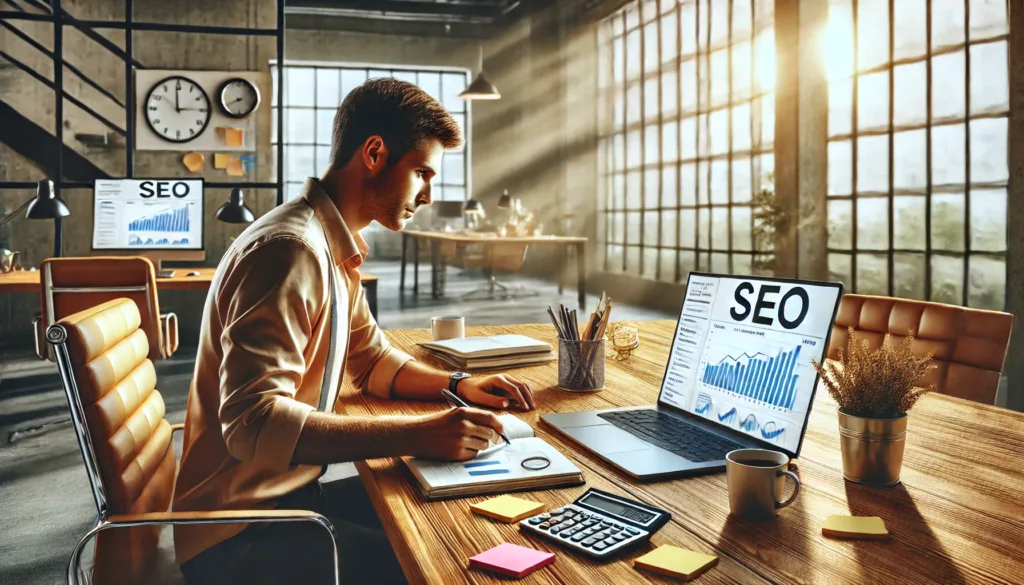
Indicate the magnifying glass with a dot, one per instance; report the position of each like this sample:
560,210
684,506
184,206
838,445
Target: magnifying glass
536,463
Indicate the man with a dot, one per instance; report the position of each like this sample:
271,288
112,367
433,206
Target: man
285,317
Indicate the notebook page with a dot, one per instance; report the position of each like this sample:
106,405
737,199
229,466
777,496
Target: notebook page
499,464
515,427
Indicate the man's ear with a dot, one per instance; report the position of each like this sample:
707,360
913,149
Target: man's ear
374,154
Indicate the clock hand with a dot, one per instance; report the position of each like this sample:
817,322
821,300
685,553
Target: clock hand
177,105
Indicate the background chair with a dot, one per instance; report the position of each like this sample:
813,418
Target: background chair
494,259
70,285
118,417
968,346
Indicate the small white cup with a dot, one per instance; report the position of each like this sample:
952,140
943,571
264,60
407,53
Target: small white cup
447,328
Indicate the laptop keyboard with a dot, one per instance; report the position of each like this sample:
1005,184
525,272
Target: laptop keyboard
672,434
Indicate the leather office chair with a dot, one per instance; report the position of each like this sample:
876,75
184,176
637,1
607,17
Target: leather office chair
118,416
69,285
968,345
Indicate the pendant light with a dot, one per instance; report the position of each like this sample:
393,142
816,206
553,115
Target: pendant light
481,88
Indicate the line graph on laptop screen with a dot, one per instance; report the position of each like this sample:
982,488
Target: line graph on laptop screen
742,354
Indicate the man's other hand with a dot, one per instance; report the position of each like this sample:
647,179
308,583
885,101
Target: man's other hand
497,391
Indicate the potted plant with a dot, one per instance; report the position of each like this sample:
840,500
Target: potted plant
874,391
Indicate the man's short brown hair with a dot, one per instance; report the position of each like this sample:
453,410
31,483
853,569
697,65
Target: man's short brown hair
402,114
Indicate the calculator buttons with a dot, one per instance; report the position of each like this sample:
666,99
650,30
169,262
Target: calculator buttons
632,530
600,546
589,542
535,521
620,537
579,536
544,525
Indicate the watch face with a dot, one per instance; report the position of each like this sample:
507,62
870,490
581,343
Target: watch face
177,109
239,97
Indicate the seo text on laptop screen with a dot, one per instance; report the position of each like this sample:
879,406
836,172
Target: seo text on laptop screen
742,353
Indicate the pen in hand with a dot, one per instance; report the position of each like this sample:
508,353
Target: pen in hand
457,402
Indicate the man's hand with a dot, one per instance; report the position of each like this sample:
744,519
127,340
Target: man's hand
456,435
497,391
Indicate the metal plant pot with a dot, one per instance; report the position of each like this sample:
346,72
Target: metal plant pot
872,448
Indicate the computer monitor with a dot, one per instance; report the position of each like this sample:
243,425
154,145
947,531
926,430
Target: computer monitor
448,209
158,218
742,353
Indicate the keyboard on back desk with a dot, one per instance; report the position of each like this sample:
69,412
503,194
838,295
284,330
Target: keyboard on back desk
672,434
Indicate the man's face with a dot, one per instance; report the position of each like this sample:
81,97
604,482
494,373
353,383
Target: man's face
398,189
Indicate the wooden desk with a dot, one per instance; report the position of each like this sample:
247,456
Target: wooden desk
436,238
958,517
28,281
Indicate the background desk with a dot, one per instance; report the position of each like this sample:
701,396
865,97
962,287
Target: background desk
28,281
958,517
436,262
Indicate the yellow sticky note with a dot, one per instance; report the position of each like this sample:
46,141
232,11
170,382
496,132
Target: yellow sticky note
233,137
221,161
507,508
194,161
235,167
862,527
676,562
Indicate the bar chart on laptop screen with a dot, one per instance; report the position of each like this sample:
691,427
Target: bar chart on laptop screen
763,392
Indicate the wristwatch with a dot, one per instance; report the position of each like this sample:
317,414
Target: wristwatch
453,381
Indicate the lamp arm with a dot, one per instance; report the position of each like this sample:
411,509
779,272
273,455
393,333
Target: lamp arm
14,213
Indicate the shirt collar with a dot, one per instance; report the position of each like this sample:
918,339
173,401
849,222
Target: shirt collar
347,248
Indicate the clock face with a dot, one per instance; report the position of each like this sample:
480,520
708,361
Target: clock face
239,97
177,109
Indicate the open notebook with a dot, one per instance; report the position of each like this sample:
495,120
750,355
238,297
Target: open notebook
498,469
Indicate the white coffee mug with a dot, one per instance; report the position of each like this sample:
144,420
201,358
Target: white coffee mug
447,328
756,479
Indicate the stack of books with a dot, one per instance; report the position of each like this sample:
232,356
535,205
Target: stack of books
484,353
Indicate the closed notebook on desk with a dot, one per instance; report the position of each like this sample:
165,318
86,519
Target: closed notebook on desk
488,347
498,469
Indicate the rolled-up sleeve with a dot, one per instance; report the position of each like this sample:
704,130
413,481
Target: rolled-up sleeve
269,303
372,362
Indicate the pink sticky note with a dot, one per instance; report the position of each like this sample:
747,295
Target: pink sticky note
512,560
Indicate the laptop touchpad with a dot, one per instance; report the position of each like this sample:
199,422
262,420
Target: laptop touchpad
606,438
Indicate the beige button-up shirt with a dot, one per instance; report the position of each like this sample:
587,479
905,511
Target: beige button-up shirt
262,357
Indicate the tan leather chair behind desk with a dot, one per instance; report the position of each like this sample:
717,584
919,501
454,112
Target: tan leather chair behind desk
494,259
70,285
968,345
118,415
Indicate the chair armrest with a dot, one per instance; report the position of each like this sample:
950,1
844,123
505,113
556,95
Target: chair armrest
169,328
39,336
177,427
205,517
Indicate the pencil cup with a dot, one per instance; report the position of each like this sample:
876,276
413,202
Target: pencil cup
581,365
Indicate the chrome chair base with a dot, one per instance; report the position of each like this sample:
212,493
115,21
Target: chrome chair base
505,292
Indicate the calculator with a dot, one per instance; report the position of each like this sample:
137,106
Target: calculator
598,524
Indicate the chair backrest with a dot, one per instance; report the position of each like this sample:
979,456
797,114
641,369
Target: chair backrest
118,417
968,346
70,285
508,257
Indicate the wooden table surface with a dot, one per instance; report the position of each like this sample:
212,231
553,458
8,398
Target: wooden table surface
28,280
958,516
475,238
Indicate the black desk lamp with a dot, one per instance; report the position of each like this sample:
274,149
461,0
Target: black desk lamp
45,205
235,210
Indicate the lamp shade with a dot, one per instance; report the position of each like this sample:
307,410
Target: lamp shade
505,201
46,205
480,89
235,210
473,206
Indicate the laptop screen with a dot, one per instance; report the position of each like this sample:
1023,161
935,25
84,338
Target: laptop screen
742,353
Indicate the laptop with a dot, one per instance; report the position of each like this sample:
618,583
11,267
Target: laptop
739,375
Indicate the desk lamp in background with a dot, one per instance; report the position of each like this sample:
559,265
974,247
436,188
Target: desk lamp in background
45,205
235,210
474,213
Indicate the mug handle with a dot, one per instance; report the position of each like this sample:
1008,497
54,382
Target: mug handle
796,488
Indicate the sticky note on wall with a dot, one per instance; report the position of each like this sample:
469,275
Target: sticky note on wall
235,167
194,161
221,161
231,136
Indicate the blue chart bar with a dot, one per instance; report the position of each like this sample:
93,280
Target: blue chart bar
175,220
768,379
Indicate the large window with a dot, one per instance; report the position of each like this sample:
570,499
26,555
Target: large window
312,94
687,130
918,105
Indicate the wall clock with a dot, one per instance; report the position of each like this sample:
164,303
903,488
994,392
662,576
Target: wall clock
239,97
177,109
